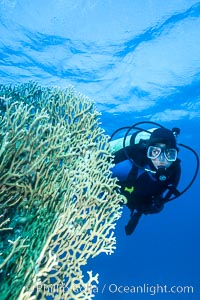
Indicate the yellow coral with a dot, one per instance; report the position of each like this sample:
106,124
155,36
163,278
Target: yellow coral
58,200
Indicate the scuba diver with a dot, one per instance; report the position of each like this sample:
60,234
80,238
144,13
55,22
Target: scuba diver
148,169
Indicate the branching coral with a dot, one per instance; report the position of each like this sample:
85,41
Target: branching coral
58,200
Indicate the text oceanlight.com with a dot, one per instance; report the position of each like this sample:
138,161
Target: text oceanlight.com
148,289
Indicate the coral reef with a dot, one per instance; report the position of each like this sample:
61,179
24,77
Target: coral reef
58,201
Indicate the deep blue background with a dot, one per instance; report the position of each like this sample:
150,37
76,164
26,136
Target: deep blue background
137,60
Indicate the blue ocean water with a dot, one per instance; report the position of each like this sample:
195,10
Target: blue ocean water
138,61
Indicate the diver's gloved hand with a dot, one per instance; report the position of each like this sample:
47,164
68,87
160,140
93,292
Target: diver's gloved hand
156,206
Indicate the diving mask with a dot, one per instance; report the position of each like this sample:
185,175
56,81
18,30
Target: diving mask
154,152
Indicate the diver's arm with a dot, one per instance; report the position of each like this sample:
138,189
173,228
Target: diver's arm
177,173
175,182
159,201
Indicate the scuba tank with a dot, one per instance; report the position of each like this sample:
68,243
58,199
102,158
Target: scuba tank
118,144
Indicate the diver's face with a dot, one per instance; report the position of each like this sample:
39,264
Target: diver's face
161,160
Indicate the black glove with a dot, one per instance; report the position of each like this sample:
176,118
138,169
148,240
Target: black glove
156,206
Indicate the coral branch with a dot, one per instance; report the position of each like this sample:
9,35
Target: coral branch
58,201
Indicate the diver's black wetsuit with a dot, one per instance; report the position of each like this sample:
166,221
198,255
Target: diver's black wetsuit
144,191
